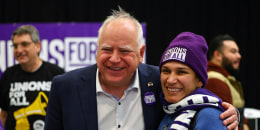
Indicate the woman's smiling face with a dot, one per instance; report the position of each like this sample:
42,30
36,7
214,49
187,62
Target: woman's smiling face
178,80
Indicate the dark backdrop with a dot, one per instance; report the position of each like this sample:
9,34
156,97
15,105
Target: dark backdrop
165,19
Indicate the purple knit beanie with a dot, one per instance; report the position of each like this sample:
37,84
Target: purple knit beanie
190,49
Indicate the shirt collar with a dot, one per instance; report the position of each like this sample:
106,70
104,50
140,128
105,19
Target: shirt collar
134,84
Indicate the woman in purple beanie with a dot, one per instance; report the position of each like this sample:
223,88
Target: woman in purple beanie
187,104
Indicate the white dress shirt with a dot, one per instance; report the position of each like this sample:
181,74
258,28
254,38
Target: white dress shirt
123,114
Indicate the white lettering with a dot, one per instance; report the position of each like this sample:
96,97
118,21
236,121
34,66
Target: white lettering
176,53
2,55
80,52
6,55
30,86
44,50
18,99
150,99
10,52
55,47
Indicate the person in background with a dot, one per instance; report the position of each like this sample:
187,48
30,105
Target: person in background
186,103
25,86
223,67
119,92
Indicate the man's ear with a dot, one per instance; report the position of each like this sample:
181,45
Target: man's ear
217,55
200,84
142,50
38,47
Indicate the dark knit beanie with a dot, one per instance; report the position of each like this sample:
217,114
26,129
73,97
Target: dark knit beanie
190,49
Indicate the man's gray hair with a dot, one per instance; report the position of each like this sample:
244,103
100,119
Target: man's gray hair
27,29
116,14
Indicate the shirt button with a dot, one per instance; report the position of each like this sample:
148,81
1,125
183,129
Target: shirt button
118,126
119,103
